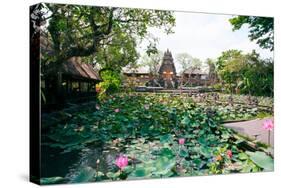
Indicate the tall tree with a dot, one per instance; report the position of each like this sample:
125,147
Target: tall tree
184,59
261,29
212,69
196,63
153,61
226,57
187,61
77,30
246,73
117,52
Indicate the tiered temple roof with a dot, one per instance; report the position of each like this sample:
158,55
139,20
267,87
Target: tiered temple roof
167,64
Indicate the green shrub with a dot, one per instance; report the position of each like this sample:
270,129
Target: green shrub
111,82
217,86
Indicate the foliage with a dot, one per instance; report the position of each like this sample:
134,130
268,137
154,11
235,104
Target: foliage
111,83
147,129
245,73
235,112
152,61
187,61
243,99
212,68
85,31
262,160
261,29
258,79
184,59
219,162
217,86
227,56
117,52
238,109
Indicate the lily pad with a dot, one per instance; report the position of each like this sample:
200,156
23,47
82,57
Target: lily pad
141,171
185,121
183,153
166,152
262,160
243,156
166,138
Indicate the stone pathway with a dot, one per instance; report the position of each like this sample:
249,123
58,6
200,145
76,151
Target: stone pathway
253,129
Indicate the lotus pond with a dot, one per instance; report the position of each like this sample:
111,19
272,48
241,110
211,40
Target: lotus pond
137,136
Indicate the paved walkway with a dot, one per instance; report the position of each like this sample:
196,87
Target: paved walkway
253,129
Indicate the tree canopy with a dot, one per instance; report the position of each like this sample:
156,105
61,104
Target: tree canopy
261,29
153,61
184,59
212,68
228,56
246,73
187,61
109,34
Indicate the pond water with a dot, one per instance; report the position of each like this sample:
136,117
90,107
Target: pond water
57,163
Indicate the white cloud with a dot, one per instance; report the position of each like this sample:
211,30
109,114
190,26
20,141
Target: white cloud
205,36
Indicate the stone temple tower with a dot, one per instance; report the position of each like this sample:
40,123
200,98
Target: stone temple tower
167,71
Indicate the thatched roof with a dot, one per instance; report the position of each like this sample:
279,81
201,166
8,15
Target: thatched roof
76,69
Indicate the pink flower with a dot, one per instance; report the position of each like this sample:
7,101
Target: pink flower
121,161
229,154
268,125
146,106
181,141
117,110
97,106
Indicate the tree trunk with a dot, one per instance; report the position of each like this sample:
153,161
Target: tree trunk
59,91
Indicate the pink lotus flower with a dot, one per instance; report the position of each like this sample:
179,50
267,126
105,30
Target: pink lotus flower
229,154
97,106
117,110
268,125
181,141
121,161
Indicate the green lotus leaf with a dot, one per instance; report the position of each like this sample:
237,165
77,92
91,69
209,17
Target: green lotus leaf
166,138
185,121
243,156
206,151
163,166
142,171
262,160
183,153
167,152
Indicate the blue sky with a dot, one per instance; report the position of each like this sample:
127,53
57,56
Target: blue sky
205,36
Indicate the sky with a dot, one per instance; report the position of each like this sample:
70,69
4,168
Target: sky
205,36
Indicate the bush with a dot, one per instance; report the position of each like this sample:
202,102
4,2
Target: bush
217,86
111,83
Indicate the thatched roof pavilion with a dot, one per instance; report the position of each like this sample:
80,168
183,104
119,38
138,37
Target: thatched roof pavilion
75,69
